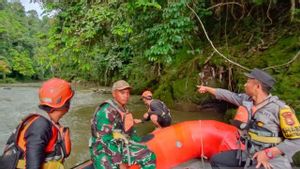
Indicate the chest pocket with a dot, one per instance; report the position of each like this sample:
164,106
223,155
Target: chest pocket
262,118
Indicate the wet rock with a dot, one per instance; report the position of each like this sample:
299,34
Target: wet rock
6,88
101,91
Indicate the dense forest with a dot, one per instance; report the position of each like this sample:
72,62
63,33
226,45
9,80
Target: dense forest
22,40
166,46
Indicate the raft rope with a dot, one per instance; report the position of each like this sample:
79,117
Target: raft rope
202,148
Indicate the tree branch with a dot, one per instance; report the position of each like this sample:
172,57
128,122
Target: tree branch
211,43
227,3
232,62
293,6
285,64
268,11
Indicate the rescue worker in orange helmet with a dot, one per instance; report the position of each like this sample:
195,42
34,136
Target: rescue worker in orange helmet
271,131
157,112
38,139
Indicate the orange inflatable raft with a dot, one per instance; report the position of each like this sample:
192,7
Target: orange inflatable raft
187,140
184,141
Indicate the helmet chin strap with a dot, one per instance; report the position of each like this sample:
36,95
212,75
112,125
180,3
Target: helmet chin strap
56,113
59,109
49,109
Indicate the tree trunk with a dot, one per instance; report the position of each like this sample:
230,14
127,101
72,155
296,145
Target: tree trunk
293,4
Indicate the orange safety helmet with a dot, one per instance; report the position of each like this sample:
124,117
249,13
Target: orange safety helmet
55,93
147,94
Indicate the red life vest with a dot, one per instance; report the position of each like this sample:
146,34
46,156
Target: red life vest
128,121
126,117
60,135
242,114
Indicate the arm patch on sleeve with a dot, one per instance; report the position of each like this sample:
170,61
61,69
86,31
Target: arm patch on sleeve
289,123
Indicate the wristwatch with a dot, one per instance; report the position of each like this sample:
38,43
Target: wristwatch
269,153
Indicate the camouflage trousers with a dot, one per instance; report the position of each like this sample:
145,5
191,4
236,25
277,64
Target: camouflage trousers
131,153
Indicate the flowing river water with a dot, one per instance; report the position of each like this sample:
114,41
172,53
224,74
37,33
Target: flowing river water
18,101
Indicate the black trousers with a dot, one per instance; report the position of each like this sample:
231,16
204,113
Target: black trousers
230,160
227,159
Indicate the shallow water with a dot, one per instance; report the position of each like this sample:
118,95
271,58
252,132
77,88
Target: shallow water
17,102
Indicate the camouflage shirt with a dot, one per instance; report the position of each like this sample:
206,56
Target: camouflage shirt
106,120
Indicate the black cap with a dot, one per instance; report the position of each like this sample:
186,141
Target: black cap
261,76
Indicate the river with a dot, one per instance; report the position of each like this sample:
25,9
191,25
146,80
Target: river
17,102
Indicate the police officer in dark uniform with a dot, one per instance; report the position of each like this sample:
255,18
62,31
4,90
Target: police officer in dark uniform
271,134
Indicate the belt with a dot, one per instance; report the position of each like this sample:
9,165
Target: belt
264,139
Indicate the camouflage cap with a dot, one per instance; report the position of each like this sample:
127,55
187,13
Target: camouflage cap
120,85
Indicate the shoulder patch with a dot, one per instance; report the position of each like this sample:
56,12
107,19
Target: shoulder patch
289,123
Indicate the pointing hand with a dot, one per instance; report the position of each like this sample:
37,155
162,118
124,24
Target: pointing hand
202,89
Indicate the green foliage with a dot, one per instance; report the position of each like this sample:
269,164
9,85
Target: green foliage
296,15
183,88
258,2
288,87
168,35
146,4
229,115
4,68
261,2
104,37
8,80
154,44
287,77
22,63
122,29
92,40
141,77
164,92
20,40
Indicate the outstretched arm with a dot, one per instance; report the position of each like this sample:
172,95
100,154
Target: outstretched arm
223,94
205,89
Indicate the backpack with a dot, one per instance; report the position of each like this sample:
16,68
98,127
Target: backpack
12,152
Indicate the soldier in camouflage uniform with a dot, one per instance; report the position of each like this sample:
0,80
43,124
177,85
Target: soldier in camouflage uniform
114,140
